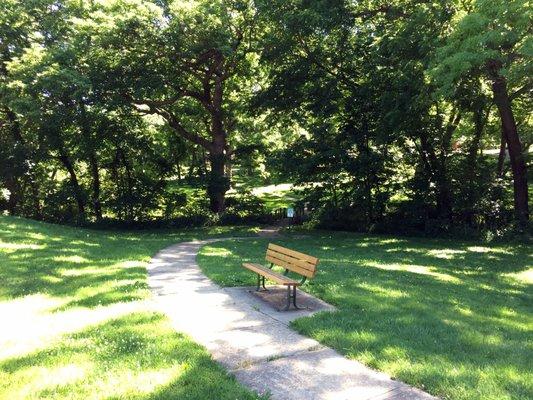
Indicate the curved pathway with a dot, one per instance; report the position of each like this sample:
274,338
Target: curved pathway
258,347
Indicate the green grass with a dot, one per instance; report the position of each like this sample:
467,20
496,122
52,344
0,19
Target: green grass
451,317
276,196
76,323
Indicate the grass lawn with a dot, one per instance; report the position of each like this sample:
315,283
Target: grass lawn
276,196
453,318
76,323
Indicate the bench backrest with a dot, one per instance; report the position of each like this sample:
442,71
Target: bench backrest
294,261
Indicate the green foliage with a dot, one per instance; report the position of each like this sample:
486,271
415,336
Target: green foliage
490,31
382,112
380,147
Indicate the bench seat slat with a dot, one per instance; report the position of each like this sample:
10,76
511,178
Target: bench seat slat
268,273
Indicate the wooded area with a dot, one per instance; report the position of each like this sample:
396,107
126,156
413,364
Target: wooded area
390,116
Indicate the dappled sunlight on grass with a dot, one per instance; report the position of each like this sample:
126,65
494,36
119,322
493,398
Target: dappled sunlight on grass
522,276
448,254
136,356
482,249
451,317
12,247
71,259
416,269
32,322
77,320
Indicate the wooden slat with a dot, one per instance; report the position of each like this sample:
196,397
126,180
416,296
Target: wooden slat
293,253
291,260
274,276
290,266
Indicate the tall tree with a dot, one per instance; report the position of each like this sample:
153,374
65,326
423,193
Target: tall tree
183,62
16,26
493,40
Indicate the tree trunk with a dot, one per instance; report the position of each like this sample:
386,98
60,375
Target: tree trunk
437,171
218,183
97,207
65,160
501,156
129,182
518,164
213,71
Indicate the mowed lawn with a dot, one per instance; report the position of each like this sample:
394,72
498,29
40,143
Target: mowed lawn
453,318
76,323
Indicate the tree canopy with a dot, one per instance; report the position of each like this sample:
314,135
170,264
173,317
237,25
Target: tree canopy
391,116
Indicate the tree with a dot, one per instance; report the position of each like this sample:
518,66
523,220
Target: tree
493,40
184,61
362,67
16,26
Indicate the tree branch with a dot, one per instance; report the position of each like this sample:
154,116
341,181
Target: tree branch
155,107
329,70
524,89
178,127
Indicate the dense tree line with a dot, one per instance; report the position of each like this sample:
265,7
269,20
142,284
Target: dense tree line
398,101
386,112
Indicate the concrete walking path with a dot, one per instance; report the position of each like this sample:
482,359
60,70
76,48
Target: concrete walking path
255,342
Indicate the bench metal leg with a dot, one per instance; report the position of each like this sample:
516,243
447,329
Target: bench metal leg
294,297
291,295
260,282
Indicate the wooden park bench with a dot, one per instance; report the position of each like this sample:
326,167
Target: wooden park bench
292,261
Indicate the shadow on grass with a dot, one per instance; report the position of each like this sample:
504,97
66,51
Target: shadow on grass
89,268
137,356
446,316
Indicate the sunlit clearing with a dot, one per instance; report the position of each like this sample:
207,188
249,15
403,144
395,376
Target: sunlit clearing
272,188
